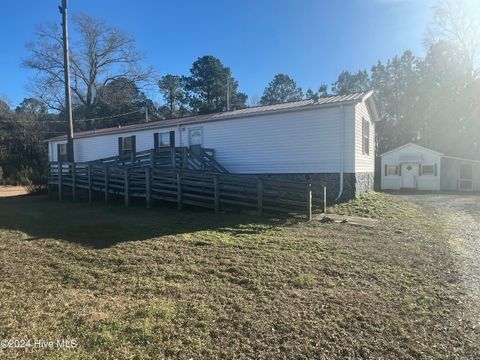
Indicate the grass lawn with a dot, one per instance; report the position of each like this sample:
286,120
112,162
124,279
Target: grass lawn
137,283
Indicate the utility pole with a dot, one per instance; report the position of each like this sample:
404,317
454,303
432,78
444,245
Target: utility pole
228,92
68,97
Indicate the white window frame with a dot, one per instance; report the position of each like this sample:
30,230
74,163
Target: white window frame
127,152
124,141
63,152
428,173
395,170
365,137
161,143
190,130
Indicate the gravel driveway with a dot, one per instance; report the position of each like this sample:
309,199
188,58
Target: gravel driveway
460,213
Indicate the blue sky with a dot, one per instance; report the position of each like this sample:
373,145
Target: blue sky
311,40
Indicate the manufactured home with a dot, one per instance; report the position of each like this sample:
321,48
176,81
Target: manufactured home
331,140
414,167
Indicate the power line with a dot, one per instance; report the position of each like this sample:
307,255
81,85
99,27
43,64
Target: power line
63,121
110,117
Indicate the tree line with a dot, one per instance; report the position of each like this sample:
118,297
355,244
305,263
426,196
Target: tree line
432,100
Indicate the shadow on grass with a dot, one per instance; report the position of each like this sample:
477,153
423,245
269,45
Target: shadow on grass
100,226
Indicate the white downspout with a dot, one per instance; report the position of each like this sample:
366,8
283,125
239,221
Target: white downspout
342,153
179,130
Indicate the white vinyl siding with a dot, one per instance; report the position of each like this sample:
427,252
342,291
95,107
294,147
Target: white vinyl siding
102,146
302,141
414,155
294,142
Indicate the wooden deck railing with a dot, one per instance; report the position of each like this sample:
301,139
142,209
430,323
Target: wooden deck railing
173,157
208,189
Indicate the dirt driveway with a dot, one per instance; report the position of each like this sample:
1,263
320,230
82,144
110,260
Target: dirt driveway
12,191
460,214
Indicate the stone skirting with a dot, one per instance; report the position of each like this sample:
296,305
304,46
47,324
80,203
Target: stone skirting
353,184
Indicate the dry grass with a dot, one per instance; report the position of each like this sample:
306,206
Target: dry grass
132,283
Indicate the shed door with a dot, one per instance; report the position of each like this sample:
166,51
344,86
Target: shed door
465,181
409,175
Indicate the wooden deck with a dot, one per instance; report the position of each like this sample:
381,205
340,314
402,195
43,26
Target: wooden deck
171,176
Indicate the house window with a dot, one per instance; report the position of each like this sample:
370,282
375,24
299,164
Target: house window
392,170
195,136
365,137
163,139
428,170
126,147
62,152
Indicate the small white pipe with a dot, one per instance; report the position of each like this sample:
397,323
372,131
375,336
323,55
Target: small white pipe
342,154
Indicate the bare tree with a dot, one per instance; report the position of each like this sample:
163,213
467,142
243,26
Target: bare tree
99,54
458,22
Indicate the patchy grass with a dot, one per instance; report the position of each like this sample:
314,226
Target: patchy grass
377,205
136,283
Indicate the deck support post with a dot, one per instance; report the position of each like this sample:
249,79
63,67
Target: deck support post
324,199
308,194
106,183
89,169
179,191
50,178
260,196
152,157
148,187
74,181
184,157
126,187
216,191
174,157
60,181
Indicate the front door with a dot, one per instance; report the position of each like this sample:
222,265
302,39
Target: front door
409,174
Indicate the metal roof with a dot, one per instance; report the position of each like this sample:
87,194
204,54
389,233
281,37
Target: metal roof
411,144
227,115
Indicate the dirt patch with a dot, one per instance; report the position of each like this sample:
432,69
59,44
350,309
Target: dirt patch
6,191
